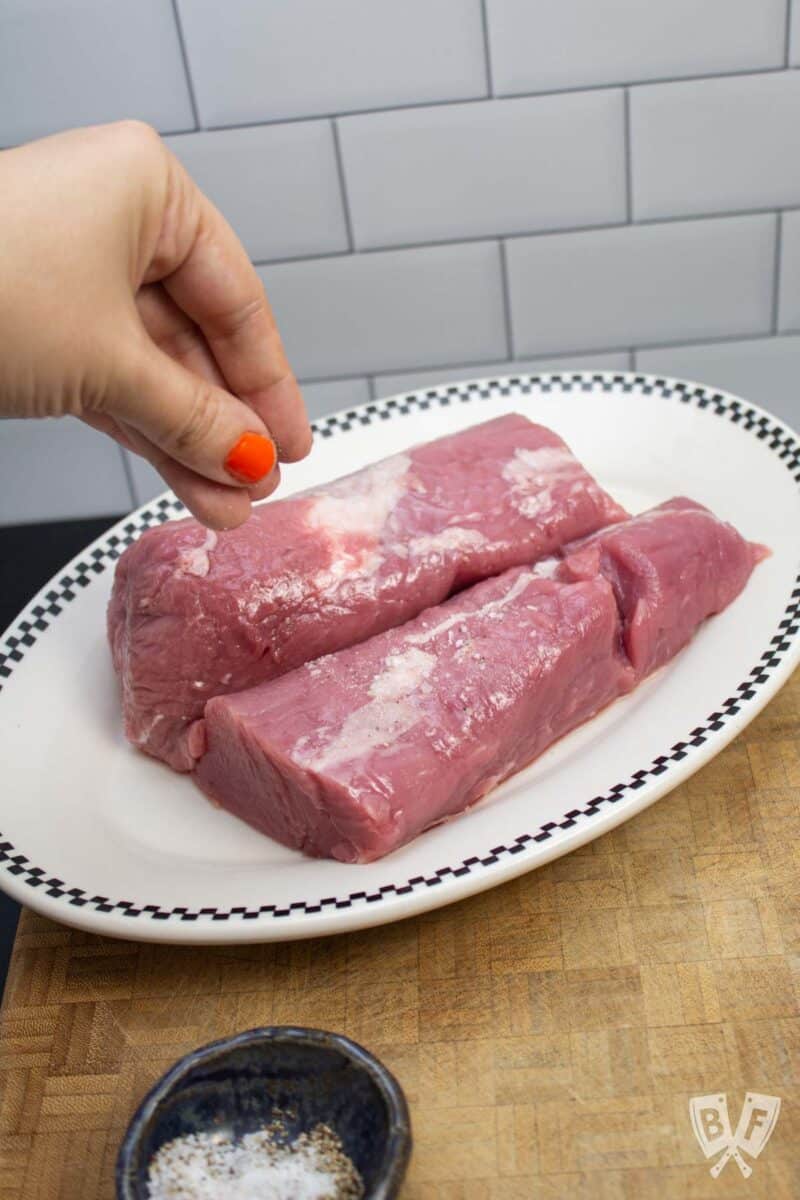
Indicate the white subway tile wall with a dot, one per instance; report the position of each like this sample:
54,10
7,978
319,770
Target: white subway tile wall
268,60
563,44
764,370
388,385
476,170
676,281
278,185
421,210
789,297
394,309
55,470
716,145
324,398
80,62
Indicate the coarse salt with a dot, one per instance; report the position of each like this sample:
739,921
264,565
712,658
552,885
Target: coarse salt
260,1166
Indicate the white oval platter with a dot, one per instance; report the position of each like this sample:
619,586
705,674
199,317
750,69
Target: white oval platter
94,834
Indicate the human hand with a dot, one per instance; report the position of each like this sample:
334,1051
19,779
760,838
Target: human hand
127,300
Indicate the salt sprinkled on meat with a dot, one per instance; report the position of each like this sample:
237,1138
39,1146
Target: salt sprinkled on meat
390,712
517,585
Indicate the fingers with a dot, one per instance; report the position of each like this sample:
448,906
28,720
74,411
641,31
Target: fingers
208,274
215,505
176,334
284,411
105,424
190,418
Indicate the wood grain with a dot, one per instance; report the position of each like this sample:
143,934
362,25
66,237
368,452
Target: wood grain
548,1033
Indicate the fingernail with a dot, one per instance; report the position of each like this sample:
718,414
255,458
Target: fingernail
251,458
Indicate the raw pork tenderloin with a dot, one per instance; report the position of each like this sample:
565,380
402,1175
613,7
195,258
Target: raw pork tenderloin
353,755
670,568
194,615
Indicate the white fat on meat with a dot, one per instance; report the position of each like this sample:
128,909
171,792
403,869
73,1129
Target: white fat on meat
454,538
492,608
361,504
531,472
546,568
389,713
196,560
145,731
393,708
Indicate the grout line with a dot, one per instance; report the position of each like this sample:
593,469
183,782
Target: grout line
776,280
710,216
631,360
506,299
509,237
487,49
344,116
594,87
186,67
371,384
675,344
766,336
337,149
168,133
400,371
667,344
126,466
626,102
789,7
637,83
300,258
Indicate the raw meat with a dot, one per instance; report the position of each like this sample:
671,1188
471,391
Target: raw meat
355,754
670,567
194,615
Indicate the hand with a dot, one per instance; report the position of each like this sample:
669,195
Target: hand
126,300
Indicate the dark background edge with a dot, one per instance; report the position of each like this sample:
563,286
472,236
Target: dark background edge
29,556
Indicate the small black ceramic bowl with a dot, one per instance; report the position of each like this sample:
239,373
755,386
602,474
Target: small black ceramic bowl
304,1076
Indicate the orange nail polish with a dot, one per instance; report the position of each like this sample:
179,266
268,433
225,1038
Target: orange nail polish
251,458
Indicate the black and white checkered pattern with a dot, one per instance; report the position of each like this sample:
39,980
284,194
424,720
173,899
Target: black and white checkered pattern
48,605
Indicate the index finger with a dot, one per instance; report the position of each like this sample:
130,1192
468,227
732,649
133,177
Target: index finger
216,285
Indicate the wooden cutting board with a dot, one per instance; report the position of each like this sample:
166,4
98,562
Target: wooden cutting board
549,1034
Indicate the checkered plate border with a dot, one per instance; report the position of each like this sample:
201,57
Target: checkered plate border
41,614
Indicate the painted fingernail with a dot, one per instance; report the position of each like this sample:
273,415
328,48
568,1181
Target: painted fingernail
251,458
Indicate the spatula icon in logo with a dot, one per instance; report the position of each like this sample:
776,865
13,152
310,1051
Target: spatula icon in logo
712,1128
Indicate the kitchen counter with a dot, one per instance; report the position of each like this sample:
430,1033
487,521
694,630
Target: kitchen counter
548,1033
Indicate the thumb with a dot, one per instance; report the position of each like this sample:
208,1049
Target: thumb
193,420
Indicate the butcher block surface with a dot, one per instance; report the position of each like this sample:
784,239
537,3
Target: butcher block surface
548,1033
